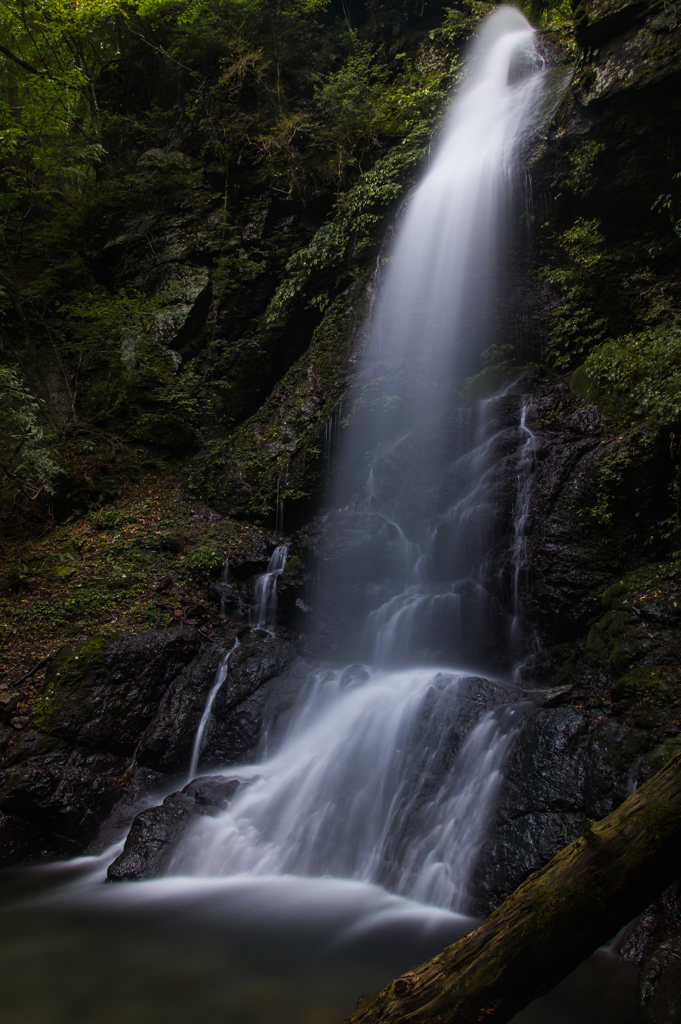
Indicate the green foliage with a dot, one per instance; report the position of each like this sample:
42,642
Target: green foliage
134,380
25,462
638,376
359,212
203,564
367,102
501,364
28,469
108,518
580,176
277,451
276,102
576,328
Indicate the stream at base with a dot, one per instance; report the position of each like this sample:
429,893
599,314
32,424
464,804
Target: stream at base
276,950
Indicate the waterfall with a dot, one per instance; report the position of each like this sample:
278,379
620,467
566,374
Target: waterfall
382,777
526,465
264,610
386,772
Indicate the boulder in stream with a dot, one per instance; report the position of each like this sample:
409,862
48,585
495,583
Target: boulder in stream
156,831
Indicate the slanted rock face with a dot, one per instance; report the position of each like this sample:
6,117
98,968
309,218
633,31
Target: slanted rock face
234,726
152,839
103,701
236,721
167,742
569,766
103,696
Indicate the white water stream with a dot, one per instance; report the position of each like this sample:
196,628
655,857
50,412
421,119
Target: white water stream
389,775
264,610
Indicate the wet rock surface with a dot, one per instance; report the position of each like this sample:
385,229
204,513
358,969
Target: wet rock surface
156,831
105,695
116,721
234,725
152,838
568,767
653,940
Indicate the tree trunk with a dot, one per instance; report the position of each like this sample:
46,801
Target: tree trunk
552,922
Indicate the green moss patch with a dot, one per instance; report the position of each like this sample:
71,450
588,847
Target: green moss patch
657,686
66,674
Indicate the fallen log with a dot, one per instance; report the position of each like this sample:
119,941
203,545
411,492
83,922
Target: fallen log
552,922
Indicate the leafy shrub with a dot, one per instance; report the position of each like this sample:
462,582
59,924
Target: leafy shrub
638,376
576,326
108,519
203,564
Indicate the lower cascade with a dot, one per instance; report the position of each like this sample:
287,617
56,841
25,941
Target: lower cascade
382,777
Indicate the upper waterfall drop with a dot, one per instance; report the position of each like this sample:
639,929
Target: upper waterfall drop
433,304
418,467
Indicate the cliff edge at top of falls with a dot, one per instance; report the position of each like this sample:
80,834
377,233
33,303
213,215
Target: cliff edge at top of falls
176,345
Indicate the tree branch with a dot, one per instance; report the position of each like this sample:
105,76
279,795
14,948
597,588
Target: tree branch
551,923
22,63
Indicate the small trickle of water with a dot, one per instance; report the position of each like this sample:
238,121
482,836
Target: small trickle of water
264,611
220,676
526,467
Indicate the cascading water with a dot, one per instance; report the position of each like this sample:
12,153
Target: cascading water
220,677
526,464
388,774
383,777
264,610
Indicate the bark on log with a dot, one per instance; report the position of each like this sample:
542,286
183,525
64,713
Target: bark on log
552,922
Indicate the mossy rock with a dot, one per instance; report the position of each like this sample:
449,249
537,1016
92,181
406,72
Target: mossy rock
294,565
656,684
65,676
665,751
614,596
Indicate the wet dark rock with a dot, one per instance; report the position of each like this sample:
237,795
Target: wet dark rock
67,790
235,724
227,596
214,791
115,719
22,842
568,767
109,702
250,560
138,791
152,839
653,940
5,736
660,980
156,831
167,743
